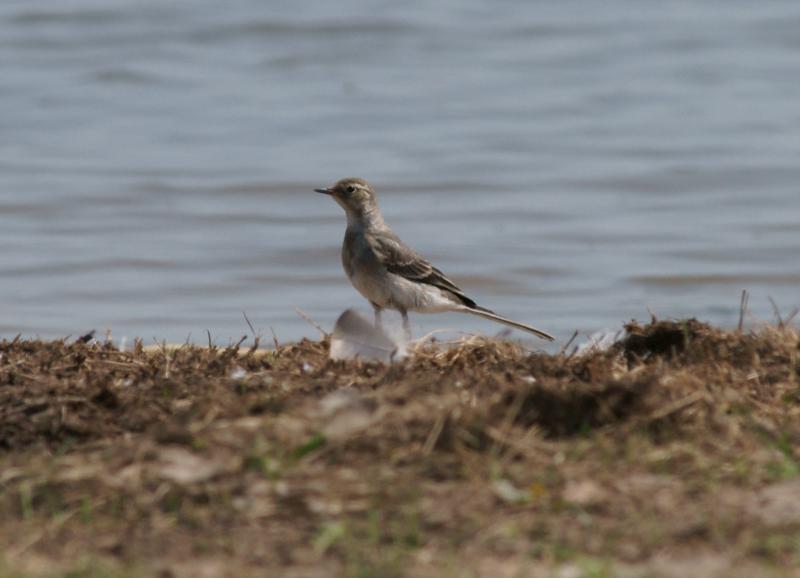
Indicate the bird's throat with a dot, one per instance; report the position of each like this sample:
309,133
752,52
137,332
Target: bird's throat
365,218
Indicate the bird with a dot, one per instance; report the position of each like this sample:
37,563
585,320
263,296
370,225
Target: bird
389,273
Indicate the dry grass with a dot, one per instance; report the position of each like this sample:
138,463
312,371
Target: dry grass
675,453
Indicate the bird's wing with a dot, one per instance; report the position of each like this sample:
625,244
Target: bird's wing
402,260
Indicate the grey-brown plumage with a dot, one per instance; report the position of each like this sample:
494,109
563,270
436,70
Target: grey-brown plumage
389,273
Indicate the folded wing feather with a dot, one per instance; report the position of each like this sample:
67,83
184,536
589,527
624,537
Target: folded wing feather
400,259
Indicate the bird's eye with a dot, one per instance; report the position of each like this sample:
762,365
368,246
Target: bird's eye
351,189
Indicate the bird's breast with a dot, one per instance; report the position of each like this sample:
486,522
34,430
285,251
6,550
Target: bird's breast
364,269
357,255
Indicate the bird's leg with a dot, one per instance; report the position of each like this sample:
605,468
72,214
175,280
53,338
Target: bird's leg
406,324
378,321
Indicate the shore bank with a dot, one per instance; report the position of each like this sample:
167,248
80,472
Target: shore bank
675,452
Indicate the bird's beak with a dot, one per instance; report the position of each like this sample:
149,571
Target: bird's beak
324,191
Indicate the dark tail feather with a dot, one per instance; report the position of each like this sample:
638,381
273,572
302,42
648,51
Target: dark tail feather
487,314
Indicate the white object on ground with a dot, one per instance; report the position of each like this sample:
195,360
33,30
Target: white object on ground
356,338
600,341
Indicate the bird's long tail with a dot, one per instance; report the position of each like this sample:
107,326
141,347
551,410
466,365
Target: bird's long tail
486,314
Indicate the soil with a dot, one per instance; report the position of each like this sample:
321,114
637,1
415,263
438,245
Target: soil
676,452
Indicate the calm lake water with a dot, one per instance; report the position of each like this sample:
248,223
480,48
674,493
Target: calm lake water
568,164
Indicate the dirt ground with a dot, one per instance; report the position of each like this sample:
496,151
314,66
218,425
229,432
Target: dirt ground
674,453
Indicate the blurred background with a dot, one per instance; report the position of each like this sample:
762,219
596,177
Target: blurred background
570,165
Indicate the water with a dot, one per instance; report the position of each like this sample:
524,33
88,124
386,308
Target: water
569,165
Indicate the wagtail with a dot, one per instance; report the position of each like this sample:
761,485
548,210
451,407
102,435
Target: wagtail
391,275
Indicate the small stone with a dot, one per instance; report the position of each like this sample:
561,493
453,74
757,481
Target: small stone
183,467
584,493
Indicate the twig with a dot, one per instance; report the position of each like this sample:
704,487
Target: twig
274,338
568,343
310,321
415,344
86,338
743,308
678,405
256,343
433,436
522,446
250,325
167,358
777,313
572,353
127,364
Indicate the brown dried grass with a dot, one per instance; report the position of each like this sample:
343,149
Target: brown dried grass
479,456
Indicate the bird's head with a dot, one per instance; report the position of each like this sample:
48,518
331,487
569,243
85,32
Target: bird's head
355,196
